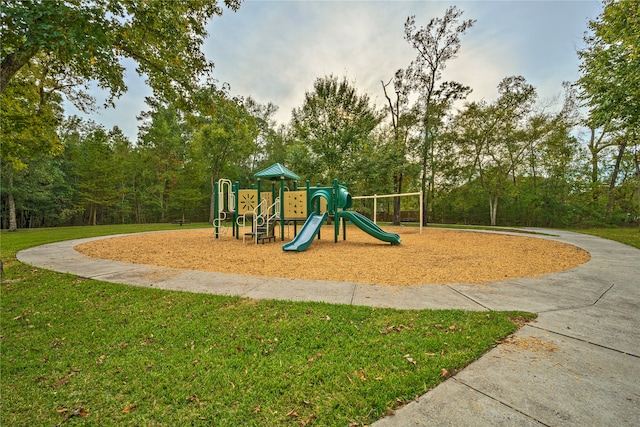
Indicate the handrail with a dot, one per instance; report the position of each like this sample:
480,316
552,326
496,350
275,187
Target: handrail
264,219
217,222
231,197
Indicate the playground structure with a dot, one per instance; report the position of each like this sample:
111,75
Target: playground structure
266,211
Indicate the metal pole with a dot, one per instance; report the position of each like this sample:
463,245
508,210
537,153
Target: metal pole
282,208
216,214
421,204
375,208
334,205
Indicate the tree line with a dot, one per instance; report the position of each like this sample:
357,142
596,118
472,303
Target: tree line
514,160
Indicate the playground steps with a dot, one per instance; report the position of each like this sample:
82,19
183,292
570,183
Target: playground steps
264,232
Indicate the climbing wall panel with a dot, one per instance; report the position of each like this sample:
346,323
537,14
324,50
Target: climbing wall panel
295,204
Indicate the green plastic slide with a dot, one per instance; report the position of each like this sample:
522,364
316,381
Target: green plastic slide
307,233
370,227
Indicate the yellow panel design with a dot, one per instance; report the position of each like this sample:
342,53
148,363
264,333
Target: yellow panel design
295,204
268,197
247,201
323,205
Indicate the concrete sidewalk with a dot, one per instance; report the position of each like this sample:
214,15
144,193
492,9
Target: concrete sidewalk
578,364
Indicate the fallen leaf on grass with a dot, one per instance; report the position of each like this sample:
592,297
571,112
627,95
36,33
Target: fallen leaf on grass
312,358
82,412
409,359
194,398
129,408
292,413
64,379
398,328
308,421
78,412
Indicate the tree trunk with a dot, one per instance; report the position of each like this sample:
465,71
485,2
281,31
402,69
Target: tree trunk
13,224
397,185
614,177
12,63
493,208
425,195
432,172
636,162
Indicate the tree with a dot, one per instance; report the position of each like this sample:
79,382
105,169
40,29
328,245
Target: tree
267,136
40,194
403,120
89,38
610,66
335,122
492,139
224,133
436,43
89,150
29,116
124,176
163,138
610,77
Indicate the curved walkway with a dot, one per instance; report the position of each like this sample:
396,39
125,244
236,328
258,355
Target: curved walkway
578,364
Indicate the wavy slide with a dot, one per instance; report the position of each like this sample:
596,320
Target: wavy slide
370,227
307,233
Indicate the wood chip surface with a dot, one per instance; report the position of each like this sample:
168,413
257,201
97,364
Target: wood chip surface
434,257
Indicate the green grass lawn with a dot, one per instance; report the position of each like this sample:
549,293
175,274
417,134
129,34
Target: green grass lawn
630,236
85,352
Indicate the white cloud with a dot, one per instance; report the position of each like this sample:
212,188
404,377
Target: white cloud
274,50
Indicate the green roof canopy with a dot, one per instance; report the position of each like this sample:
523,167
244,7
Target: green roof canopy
276,171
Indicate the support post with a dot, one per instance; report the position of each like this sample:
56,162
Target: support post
236,226
309,207
375,208
421,205
259,201
216,213
282,208
334,205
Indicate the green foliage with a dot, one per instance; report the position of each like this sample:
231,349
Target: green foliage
611,65
29,117
435,44
528,165
336,124
224,134
164,139
41,193
88,39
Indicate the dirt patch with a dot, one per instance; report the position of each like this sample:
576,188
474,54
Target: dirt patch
532,344
434,257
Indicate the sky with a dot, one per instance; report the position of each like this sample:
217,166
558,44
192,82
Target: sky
274,50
